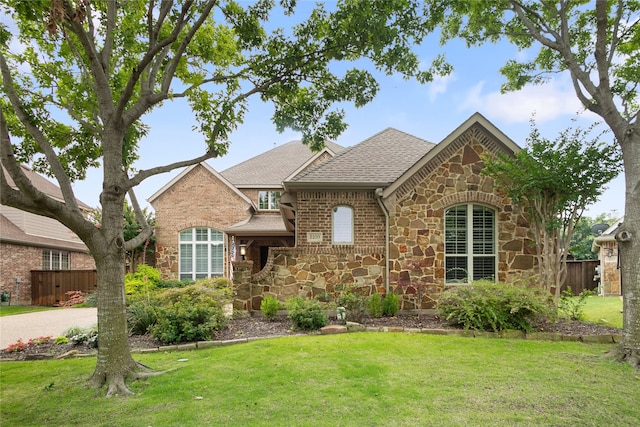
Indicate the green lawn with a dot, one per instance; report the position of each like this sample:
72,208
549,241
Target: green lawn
358,379
8,310
604,310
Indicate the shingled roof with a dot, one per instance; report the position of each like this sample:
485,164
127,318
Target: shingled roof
271,168
377,161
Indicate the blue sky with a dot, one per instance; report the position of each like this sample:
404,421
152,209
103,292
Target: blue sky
429,111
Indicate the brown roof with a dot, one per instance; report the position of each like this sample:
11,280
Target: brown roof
11,233
271,168
260,225
376,161
43,184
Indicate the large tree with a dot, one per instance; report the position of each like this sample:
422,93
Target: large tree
598,44
78,77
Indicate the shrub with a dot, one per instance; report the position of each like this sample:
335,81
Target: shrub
493,307
74,298
573,308
143,281
353,302
174,283
61,340
141,313
192,313
374,305
307,315
390,304
269,307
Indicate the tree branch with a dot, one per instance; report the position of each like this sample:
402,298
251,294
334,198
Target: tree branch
146,229
41,140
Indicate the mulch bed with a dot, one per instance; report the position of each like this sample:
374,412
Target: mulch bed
257,326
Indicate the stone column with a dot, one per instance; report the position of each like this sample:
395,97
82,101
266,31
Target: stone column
242,283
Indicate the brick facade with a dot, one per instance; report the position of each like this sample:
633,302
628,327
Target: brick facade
199,199
17,261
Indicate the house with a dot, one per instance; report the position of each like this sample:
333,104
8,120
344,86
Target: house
606,246
31,242
394,213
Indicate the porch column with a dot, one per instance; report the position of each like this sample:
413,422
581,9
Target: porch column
242,283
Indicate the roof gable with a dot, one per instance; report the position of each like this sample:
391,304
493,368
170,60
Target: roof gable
269,169
435,156
376,161
188,170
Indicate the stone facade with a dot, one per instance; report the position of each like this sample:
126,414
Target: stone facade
609,271
17,262
416,253
416,234
309,273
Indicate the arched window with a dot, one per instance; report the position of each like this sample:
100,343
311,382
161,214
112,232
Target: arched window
342,225
201,253
470,243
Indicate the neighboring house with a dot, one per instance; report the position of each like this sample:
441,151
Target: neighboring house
33,242
606,246
394,213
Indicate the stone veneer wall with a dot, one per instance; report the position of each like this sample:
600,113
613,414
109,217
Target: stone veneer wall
417,219
17,261
199,199
308,272
609,273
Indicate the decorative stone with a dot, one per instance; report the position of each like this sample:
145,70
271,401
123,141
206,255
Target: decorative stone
333,329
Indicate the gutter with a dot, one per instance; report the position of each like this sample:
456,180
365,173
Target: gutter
378,194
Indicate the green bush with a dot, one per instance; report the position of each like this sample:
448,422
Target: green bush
374,305
174,283
192,313
143,281
353,302
141,313
573,308
390,304
493,306
307,315
269,307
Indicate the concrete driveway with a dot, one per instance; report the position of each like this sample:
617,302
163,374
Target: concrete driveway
44,323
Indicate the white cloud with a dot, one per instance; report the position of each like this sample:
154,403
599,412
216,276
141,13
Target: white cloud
439,85
548,101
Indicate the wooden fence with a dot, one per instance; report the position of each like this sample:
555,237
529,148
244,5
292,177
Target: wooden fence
580,275
49,287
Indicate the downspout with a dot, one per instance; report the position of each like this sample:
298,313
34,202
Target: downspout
378,195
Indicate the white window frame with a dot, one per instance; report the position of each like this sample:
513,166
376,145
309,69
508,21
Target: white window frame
469,253
341,225
55,260
206,242
272,198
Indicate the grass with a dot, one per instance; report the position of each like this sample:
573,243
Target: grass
604,310
8,310
372,379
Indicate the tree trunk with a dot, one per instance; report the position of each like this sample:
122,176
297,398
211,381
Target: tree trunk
114,362
629,240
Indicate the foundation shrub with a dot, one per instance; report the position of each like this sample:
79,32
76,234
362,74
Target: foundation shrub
353,302
269,307
390,304
143,281
374,305
492,306
306,315
141,313
192,313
